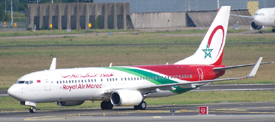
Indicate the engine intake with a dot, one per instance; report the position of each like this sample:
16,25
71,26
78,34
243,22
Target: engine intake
69,103
126,97
255,26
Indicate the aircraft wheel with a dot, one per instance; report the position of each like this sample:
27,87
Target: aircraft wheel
109,105
261,31
141,106
106,105
103,105
32,110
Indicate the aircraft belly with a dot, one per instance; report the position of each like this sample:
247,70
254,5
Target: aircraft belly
162,94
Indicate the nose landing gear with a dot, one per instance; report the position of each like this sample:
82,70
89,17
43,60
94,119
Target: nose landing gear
32,109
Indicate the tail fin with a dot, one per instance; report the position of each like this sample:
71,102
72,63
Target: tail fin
211,48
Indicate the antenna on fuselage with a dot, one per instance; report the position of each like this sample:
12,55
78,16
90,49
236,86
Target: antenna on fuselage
111,64
166,63
53,65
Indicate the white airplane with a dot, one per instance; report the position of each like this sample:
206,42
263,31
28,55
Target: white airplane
130,85
262,17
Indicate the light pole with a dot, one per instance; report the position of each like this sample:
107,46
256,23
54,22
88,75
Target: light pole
11,15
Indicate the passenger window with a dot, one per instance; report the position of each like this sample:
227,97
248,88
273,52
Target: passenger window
95,80
27,82
31,82
56,82
190,76
69,81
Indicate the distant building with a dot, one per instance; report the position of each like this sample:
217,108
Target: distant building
143,6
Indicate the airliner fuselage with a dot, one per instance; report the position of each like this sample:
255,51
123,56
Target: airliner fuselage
79,84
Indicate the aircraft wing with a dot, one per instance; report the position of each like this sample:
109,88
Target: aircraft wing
238,66
165,86
242,16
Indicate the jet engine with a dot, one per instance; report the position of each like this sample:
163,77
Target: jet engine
255,26
69,103
126,97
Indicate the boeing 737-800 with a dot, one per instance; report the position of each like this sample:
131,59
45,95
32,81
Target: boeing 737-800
262,17
130,85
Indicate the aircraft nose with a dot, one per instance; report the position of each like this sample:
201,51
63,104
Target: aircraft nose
13,91
257,20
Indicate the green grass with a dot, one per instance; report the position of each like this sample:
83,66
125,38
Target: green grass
8,103
57,31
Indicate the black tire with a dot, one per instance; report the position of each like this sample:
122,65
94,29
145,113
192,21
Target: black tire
103,105
109,105
106,105
141,106
32,110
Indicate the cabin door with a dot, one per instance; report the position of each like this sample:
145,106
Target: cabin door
200,73
47,83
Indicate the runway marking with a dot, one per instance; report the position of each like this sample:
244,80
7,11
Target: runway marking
233,109
157,117
44,118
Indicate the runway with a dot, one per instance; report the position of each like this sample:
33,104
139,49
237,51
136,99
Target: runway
257,111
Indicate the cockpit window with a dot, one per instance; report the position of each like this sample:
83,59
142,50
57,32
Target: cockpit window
24,82
21,82
262,14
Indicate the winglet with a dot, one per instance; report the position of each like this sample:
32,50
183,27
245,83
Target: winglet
53,65
254,69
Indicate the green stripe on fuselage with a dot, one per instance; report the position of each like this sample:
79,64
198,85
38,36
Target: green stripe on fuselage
157,81
154,78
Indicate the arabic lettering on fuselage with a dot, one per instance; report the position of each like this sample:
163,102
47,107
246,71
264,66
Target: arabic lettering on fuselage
88,75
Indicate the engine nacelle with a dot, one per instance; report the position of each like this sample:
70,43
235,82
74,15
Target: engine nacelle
255,26
126,97
69,103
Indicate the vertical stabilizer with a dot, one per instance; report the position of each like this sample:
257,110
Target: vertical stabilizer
211,48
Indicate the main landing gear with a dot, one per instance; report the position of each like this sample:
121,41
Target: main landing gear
106,105
141,106
32,109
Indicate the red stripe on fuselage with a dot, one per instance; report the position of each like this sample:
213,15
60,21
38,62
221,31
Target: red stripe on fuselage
173,70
